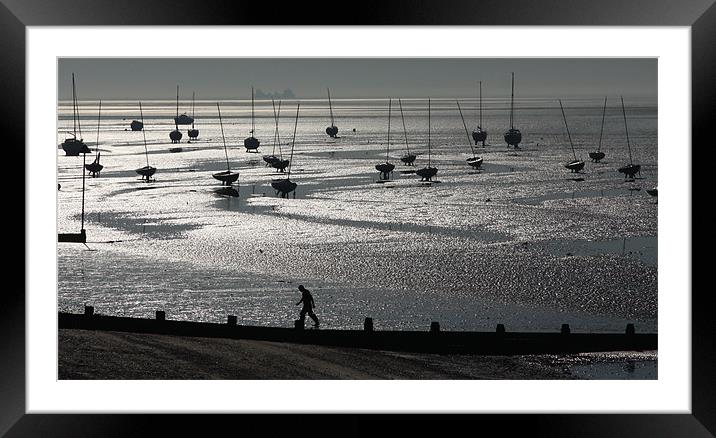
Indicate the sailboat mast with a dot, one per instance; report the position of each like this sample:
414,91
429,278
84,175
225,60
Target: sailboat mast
253,127
84,163
99,115
627,130
275,129
601,131
465,126
144,132
74,107
512,103
293,143
565,125
193,96
278,133
77,106
223,138
405,132
480,105
330,105
387,150
428,132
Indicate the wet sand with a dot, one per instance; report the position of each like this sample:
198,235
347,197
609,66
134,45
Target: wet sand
85,354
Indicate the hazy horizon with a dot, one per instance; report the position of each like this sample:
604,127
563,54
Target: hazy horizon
355,78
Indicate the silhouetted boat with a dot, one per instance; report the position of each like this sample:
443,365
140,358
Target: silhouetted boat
598,155
270,159
408,159
94,168
226,177
653,192
475,162
575,165
193,133
175,135
631,169
252,143
427,172
136,125
286,186
386,168
513,136
480,135
332,130
182,119
75,146
147,171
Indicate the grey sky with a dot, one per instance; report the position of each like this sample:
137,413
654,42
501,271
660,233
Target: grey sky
231,78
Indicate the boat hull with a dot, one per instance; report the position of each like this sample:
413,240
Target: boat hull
146,172
251,144
475,162
575,166
74,147
193,133
332,131
284,186
513,137
479,136
653,192
596,156
183,120
136,125
226,177
427,173
94,168
408,159
270,159
80,237
630,170
175,136
280,165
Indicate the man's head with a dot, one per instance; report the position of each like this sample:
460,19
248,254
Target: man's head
301,288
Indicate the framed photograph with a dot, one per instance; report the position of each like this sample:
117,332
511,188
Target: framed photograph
386,213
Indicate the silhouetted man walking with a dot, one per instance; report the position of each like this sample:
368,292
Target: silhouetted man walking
308,305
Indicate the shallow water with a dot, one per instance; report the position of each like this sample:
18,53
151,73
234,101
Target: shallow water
519,242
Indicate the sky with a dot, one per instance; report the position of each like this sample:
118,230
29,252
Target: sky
232,78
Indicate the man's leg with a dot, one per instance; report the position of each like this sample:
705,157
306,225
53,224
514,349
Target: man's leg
313,317
303,314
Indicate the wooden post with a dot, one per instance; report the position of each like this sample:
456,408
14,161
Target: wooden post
89,310
565,329
500,329
299,324
161,315
630,330
434,327
368,325
231,320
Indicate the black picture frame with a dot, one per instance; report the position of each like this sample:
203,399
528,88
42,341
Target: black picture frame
16,15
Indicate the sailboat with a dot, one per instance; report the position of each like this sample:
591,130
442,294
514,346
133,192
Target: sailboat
75,146
193,133
251,143
286,186
332,130
136,125
94,168
386,168
147,171
80,237
408,159
630,169
278,163
427,172
475,162
270,159
598,155
226,177
513,137
182,119
479,135
175,135
574,165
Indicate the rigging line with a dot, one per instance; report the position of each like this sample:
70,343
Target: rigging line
275,129
330,105
144,134
387,150
480,105
568,134
221,123
253,126
74,107
512,103
193,96
99,115
627,130
405,132
293,143
79,124
428,132
601,131
278,132
467,134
